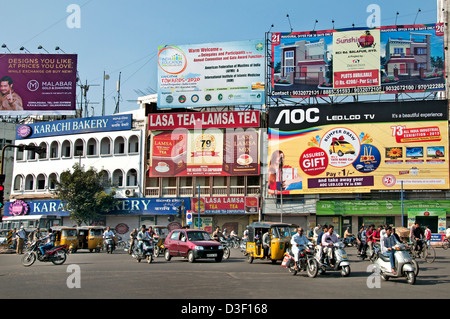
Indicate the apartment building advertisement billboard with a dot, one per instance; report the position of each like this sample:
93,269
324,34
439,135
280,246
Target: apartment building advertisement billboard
349,149
387,59
211,74
42,84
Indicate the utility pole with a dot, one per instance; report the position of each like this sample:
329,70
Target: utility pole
118,95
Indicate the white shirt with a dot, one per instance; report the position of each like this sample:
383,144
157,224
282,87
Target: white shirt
327,238
108,233
299,240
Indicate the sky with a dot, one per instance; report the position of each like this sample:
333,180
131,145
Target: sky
122,37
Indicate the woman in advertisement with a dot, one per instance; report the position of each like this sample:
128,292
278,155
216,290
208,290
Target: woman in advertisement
290,180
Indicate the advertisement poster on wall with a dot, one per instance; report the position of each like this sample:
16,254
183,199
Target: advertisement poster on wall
211,74
43,84
348,149
388,59
204,143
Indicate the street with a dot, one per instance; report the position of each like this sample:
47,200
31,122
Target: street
118,276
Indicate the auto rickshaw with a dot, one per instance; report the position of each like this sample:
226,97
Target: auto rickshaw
161,234
280,238
66,236
90,237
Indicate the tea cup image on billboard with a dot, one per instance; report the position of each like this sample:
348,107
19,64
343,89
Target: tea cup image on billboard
282,177
9,99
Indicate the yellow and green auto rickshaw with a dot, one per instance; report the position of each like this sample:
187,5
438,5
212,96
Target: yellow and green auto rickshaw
277,237
90,237
66,235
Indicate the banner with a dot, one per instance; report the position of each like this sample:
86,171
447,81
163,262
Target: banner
42,84
203,120
388,59
211,74
204,152
358,147
225,205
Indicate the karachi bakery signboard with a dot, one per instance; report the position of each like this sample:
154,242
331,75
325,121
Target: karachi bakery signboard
387,59
358,147
41,84
204,144
211,74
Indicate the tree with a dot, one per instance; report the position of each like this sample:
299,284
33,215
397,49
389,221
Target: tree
84,194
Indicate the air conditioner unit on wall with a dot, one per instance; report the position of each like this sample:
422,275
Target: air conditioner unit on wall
129,192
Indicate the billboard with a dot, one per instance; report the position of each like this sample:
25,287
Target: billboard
226,205
222,152
43,84
388,59
358,147
211,74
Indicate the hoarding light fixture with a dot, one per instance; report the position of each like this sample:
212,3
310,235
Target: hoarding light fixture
315,25
287,16
24,49
41,47
416,15
4,46
59,49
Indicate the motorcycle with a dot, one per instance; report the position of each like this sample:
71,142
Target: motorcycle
306,262
350,241
109,244
226,248
403,264
145,253
340,261
57,255
373,254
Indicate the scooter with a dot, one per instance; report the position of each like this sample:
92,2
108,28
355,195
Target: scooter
339,263
306,261
403,264
109,244
145,253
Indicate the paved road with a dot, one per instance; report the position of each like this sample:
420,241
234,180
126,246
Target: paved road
118,276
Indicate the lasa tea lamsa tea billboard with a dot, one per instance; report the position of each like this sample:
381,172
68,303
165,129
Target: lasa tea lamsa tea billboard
42,84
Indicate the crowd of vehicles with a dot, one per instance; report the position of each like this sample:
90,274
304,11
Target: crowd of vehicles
265,241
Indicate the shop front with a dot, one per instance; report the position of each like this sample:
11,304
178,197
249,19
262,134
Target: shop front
356,213
129,213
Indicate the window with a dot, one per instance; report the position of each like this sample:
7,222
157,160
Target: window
52,179
118,178
66,149
40,182
133,144
119,145
54,149
31,155
92,147
79,147
175,235
132,177
43,146
105,146
29,183
18,183
398,50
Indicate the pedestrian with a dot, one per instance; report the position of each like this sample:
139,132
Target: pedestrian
133,236
21,234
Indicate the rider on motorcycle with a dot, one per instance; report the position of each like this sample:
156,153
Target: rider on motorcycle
389,241
109,233
51,238
297,241
328,239
142,236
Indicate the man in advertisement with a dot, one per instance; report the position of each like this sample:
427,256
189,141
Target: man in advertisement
9,99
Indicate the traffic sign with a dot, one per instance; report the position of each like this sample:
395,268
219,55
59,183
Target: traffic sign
189,217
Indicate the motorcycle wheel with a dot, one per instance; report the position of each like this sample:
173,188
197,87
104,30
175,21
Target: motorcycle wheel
249,259
28,259
157,251
150,258
411,277
226,253
312,268
59,258
345,271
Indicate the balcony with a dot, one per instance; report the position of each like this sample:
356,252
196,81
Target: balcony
191,191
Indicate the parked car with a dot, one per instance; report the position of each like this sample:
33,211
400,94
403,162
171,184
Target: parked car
193,244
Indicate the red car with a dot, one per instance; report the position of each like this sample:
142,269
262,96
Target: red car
193,244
